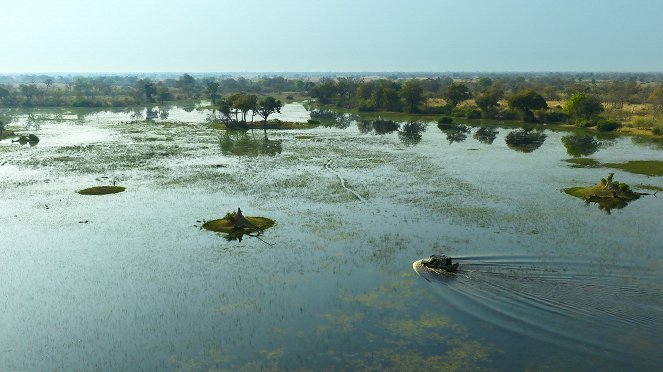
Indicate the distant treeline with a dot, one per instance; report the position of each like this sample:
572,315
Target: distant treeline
635,99
123,91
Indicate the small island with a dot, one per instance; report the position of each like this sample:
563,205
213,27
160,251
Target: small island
235,225
608,193
101,190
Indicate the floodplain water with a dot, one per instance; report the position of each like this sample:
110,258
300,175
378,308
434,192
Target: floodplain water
129,281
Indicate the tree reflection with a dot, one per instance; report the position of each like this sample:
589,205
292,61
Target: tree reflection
332,119
241,143
411,133
486,135
379,126
581,145
454,132
525,140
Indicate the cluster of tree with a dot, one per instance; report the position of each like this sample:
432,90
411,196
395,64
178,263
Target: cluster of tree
230,108
124,91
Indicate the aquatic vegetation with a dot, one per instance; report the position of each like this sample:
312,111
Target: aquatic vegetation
101,190
646,167
583,163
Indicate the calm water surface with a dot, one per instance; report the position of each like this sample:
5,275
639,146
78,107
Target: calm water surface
128,281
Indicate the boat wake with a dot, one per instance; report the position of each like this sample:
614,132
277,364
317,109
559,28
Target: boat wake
609,311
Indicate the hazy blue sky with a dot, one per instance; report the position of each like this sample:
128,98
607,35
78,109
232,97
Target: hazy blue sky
340,35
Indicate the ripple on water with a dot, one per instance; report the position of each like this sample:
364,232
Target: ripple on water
590,306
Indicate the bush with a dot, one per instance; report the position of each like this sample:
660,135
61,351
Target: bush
313,121
553,116
446,120
607,125
585,123
623,187
436,110
657,130
469,112
508,115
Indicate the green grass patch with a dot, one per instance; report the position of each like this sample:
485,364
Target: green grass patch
304,137
650,187
646,167
583,163
102,190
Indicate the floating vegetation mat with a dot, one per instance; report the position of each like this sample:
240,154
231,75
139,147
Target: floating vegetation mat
102,190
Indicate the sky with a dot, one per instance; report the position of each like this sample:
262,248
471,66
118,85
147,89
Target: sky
330,35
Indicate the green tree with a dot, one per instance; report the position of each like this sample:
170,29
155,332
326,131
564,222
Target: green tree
267,106
212,89
244,103
489,99
187,84
325,91
583,106
655,98
526,101
148,88
412,94
456,93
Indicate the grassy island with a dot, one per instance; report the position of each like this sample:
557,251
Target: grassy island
238,224
609,194
102,190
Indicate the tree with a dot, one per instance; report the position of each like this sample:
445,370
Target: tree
413,94
526,101
584,106
655,98
456,93
325,90
489,99
244,103
147,87
187,84
266,107
212,88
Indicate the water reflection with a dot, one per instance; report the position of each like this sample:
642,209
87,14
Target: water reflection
454,132
243,143
486,135
332,118
379,126
578,145
411,133
525,140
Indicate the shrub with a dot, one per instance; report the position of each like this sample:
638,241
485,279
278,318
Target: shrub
553,116
313,121
474,114
657,130
446,120
623,187
469,112
585,123
607,125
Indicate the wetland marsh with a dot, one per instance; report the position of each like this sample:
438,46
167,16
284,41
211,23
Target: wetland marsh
130,281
